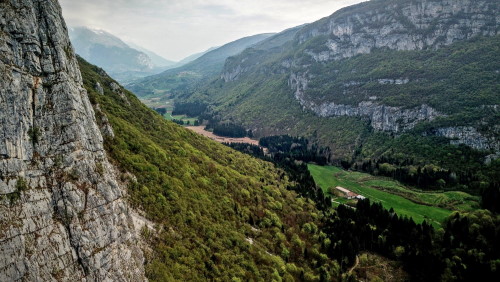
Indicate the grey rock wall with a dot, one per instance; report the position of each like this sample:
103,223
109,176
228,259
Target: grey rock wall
400,25
382,117
403,25
396,25
62,212
469,136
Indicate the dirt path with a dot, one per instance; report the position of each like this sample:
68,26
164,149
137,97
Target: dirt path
354,266
201,130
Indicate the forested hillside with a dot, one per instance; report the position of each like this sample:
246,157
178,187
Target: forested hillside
217,213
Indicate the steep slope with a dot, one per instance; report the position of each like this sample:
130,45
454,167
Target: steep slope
62,209
217,213
381,79
180,79
122,62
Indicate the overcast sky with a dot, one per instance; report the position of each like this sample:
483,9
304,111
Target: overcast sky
178,28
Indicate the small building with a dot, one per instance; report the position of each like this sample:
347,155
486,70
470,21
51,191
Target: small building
347,193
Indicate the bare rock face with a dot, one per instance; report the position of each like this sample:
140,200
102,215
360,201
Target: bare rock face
403,25
62,213
469,136
399,25
382,117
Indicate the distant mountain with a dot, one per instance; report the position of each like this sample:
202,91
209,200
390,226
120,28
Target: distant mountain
121,61
193,57
187,76
156,59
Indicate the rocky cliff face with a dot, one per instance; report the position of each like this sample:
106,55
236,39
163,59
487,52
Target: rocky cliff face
398,25
469,136
382,117
402,25
62,211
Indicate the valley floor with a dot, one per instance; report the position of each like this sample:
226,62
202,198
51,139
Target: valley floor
431,206
201,130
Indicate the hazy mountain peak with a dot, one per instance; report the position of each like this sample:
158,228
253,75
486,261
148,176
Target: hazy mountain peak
157,60
120,60
95,36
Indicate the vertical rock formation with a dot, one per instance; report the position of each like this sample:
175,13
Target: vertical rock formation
62,212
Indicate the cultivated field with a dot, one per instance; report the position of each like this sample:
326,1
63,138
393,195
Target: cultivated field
416,204
201,130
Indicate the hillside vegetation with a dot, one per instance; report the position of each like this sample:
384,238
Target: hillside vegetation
461,95
218,214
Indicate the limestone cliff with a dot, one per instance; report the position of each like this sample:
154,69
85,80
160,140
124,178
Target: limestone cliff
401,25
470,136
62,212
398,25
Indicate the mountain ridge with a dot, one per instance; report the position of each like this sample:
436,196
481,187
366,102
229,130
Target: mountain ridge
188,75
157,60
118,58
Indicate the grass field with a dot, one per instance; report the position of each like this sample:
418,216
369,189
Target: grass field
184,118
168,103
416,204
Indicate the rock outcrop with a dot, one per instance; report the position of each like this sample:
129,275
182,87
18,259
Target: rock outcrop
469,136
402,25
382,117
62,212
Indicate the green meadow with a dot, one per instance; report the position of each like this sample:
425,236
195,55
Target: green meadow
431,206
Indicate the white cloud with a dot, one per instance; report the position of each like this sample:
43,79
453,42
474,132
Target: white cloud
176,29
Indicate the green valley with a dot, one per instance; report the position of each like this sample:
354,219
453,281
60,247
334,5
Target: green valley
427,112
186,77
